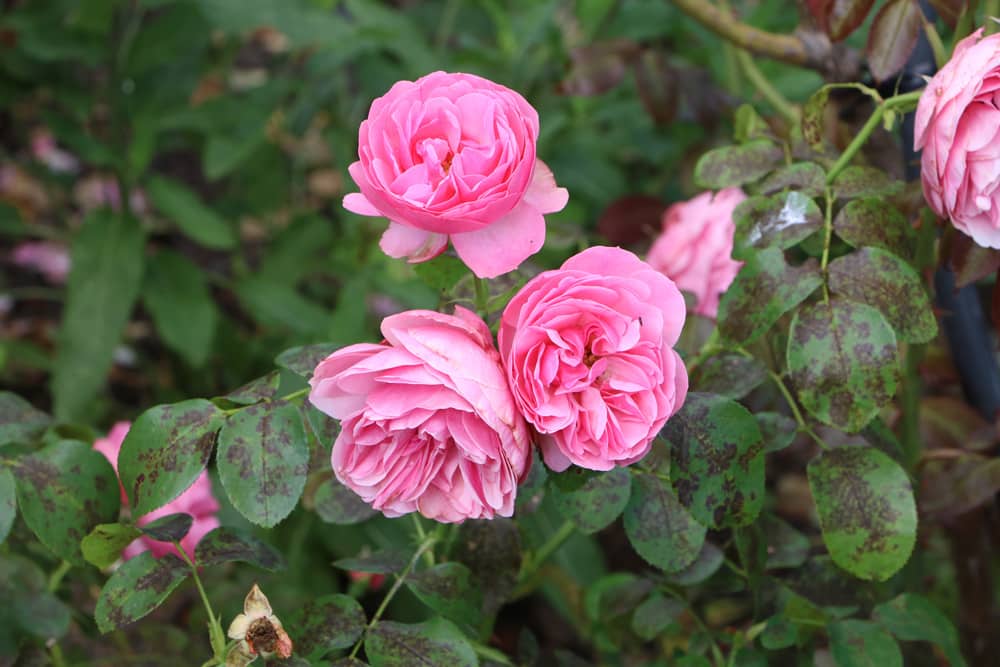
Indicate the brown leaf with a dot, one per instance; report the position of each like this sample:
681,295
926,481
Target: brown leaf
971,261
950,10
597,68
892,37
951,488
658,85
844,16
949,423
631,219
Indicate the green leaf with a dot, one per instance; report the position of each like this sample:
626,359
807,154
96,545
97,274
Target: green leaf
855,182
765,289
177,297
786,547
19,420
260,389
64,491
492,551
855,643
107,260
182,206
28,607
884,281
278,305
892,36
866,510
777,430
138,587
813,116
844,17
660,529
842,359
434,642
708,562
337,504
729,374
716,460
807,177
748,125
263,460
875,222
450,590
655,615
8,503
594,504
383,561
779,221
104,545
303,360
169,528
912,617
303,23
224,545
328,623
441,273
736,165
779,633
165,450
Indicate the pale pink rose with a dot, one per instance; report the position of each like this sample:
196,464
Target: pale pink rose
696,246
197,501
453,156
958,127
45,150
46,257
428,423
588,350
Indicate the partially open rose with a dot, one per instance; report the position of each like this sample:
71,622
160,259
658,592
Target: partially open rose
453,156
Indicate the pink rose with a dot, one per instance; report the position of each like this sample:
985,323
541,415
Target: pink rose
453,156
197,501
427,421
696,246
589,357
47,258
958,127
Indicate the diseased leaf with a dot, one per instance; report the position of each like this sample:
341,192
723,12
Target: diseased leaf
866,510
104,545
777,430
450,590
806,177
337,504
717,466
786,547
107,264
856,643
19,420
737,165
8,503
263,461
951,489
492,551
891,38
912,617
729,374
765,289
882,280
708,562
177,296
64,491
813,119
658,85
971,261
184,208
845,16
596,503
660,529
263,388
856,182
225,545
303,360
875,222
326,624
842,359
169,528
383,561
138,587
165,450
434,642
780,221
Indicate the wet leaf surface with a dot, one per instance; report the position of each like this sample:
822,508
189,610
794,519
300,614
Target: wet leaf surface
779,221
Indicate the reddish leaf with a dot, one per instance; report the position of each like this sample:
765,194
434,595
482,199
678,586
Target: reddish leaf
658,86
819,10
892,37
597,68
950,423
970,261
955,487
844,16
949,10
631,219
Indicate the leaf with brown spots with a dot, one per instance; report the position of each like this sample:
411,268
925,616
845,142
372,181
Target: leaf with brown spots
138,587
765,289
64,491
855,182
263,388
263,461
594,504
169,528
729,374
875,222
779,221
19,420
225,545
104,545
842,359
856,643
492,552
303,360
892,37
880,279
450,590
434,643
716,460
337,504
659,528
165,450
383,561
730,166
866,510
807,177
327,624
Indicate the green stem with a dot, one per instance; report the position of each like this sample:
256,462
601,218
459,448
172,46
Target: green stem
216,636
991,10
482,296
58,659
295,394
535,561
421,538
827,240
426,544
799,419
765,88
57,576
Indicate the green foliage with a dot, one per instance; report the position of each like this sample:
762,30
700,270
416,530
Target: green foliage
660,529
8,503
138,587
592,502
435,642
179,301
103,545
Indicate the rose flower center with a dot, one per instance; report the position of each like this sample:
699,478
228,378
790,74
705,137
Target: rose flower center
262,636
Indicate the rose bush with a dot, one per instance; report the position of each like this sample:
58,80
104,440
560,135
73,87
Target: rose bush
452,156
197,501
588,353
958,127
696,245
427,421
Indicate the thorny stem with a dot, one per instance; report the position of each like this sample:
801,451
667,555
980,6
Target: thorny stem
215,635
426,544
765,88
482,296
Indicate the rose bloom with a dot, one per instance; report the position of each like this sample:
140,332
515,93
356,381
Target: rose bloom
46,257
197,501
427,421
589,357
958,127
696,246
453,156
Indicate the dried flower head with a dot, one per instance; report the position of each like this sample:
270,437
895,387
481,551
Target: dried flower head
258,629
